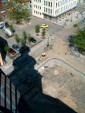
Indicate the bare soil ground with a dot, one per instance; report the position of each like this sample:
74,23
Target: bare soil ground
68,87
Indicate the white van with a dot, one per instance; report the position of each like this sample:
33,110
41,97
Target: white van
7,31
2,24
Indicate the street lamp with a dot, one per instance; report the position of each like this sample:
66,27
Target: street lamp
48,42
47,39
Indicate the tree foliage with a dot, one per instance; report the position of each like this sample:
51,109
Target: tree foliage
79,40
9,5
19,13
43,32
22,41
75,25
24,36
12,28
37,28
19,1
17,39
29,38
6,48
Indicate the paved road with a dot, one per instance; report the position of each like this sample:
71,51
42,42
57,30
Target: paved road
80,8
29,28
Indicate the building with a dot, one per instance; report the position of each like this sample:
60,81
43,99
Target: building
3,13
9,96
51,9
82,1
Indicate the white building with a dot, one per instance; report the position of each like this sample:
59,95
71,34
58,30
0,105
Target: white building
82,1
51,9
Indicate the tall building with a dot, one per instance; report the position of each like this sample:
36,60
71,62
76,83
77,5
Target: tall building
9,96
82,1
52,8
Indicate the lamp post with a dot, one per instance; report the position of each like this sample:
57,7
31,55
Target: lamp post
47,39
48,42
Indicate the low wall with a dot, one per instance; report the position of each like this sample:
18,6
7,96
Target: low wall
78,55
61,62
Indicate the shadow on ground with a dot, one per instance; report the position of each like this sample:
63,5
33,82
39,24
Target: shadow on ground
28,81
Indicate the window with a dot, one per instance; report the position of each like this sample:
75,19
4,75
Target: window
44,2
51,4
48,3
56,4
46,9
51,11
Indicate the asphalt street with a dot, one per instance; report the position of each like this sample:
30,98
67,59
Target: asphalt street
30,28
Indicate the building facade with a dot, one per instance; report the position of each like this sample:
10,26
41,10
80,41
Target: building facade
9,96
82,1
51,8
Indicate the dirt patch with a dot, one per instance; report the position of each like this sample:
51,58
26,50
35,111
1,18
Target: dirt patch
68,87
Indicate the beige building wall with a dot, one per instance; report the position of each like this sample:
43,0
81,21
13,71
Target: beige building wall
82,1
52,8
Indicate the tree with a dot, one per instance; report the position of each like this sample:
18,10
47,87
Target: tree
80,40
29,38
37,29
22,41
75,25
6,48
17,39
19,13
19,1
12,28
9,5
81,33
43,33
24,36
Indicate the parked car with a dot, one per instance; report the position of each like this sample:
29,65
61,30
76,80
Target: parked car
44,26
7,31
84,20
6,24
14,46
33,40
2,24
12,28
12,52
